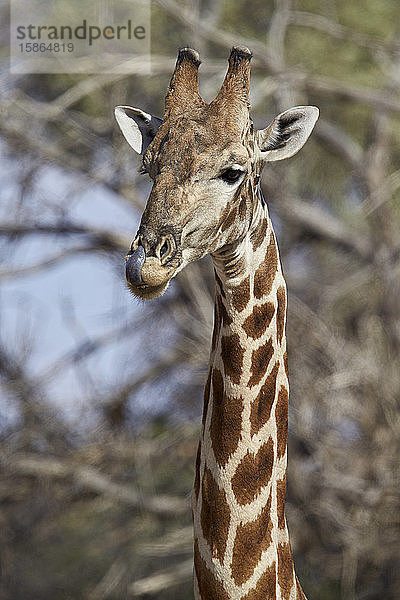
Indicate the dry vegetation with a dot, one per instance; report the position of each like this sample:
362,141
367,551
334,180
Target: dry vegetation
104,514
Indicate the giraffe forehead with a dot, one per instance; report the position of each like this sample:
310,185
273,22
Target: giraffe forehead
188,146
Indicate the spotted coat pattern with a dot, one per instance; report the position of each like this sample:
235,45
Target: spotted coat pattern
242,549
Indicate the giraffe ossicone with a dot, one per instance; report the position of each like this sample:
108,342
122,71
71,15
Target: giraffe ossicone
205,161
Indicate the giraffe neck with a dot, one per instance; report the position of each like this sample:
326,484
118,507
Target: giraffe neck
242,549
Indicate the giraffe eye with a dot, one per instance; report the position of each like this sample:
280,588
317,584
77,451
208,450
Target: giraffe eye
231,175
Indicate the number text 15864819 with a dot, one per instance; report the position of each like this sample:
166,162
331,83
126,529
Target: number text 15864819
47,47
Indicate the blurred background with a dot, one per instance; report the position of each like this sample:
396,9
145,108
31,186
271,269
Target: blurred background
101,396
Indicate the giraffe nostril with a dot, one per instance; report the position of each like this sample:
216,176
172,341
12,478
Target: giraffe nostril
134,266
164,249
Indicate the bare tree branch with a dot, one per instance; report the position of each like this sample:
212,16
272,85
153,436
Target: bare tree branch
347,91
343,144
314,220
163,579
321,23
37,267
91,479
101,239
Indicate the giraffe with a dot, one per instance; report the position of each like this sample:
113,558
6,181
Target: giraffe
205,161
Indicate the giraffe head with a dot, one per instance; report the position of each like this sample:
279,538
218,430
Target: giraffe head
205,162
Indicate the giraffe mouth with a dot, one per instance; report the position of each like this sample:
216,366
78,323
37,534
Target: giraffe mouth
147,292
146,276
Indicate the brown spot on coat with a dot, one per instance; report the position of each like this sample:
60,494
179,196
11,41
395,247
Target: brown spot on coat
215,515
281,416
243,208
253,473
232,355
280,313
266,272
251,540
266,586
209,586
280,501
228,220
257,322
226,421
259,362
241,295
217,386
262,405
258,236
285,570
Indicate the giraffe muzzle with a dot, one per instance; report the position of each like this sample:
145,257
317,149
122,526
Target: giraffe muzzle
145,276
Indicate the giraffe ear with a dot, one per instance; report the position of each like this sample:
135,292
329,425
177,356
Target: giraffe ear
138,127
287,133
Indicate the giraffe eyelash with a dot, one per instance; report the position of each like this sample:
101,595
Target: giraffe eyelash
232,175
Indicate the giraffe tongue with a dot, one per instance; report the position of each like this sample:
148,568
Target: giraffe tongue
134,266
